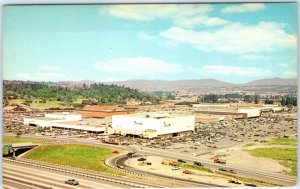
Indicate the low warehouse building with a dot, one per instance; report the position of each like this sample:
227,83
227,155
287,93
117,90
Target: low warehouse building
103,111
69,122
153,125
51,118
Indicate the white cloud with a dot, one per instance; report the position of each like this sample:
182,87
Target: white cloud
203,20
235,38
290,74
184,15
246,7
149,12
254,57
283,65
40,76
139,66
234,70
145,36
49,68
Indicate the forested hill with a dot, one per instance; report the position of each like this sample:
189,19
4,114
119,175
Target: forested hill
92,94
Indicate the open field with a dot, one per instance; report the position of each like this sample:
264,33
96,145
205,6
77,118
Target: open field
37,104
11,140
283,141
73,155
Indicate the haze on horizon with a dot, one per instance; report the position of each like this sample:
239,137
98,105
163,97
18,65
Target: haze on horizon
234,43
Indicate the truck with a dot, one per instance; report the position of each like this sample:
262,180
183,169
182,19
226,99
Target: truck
217,160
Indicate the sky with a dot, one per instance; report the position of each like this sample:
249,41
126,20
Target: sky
235,42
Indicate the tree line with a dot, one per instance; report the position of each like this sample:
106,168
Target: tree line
285,100
94,94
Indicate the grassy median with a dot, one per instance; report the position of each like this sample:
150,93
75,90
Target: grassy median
73,155
11,140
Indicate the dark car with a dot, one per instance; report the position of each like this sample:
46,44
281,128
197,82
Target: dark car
250,184
72,182
232,171
181,161
142,159
198,163
129,154
222,169
235,181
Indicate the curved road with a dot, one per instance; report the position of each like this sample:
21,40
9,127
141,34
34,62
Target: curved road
190,183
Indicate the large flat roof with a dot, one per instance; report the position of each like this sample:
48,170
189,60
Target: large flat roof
89,122
156,115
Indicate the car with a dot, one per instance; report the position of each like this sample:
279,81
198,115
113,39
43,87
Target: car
181,161
120,166
235,181
222,169
72,182
187,172
175,168
232,171
129,154
198,163
142,159
250,184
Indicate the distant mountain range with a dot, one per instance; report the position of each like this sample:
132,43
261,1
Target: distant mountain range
149,85
192,84
272,81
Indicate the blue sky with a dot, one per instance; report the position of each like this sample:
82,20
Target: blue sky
230,42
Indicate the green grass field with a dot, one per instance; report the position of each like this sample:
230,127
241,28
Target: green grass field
41,106
74,155
283,141
11,140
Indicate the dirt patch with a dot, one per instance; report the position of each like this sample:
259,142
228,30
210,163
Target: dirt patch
239,156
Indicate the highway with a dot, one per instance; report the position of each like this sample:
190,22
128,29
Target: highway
89,175
23,177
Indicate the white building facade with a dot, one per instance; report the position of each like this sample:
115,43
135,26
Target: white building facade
150,126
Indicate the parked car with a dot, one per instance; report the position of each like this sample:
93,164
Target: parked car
232,171
222,169
72,182
198,163
120,166
181,161
187,172
250,184
235,181
142,159
175,168
217,160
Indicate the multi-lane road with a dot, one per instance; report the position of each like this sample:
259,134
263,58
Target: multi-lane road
24,177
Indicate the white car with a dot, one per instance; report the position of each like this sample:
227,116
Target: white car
175,168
